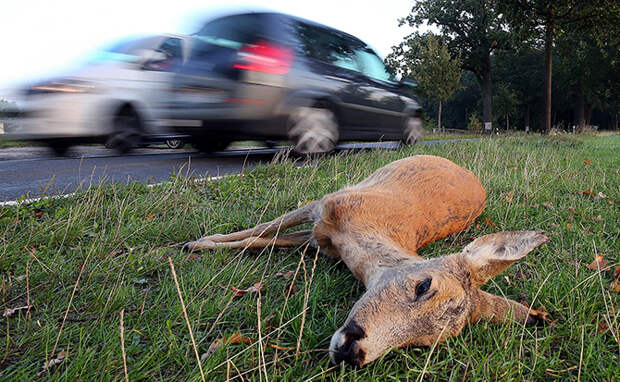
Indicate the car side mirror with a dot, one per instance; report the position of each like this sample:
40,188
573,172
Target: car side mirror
409,82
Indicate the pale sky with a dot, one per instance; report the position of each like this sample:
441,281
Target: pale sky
40,37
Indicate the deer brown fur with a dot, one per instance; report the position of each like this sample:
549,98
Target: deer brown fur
376,228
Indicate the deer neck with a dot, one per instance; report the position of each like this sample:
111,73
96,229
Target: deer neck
368,258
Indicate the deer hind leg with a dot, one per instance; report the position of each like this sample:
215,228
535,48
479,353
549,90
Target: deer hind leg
253,242
262,231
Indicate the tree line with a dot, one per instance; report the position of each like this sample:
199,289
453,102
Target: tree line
526,64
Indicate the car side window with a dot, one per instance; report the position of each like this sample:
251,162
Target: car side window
173,55
327,46
372,66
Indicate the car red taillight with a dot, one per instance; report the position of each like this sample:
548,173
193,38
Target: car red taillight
265,57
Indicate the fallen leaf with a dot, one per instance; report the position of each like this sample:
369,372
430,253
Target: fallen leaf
53,362
286,275
489,223
598,218
290,290
542,314
588,192
150,217
587,162
549,205
602,327
571,210
614,286
237,338
39,215
571,262
258,286
600,195
599,262
212,349
509,196
12,311
617,272
568,225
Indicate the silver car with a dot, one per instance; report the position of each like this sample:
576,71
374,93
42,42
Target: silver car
114,99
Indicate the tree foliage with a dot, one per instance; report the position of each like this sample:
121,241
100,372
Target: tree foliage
472,29
437,73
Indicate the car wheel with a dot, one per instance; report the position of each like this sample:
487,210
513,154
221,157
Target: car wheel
125,134
175,143
208,145
314,130
59,148
413,130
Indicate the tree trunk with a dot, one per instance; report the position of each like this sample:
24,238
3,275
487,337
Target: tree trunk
581,116
527,117
487,97
439,119
549,30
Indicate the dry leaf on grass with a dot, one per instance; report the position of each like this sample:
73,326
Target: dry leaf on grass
212,349
150,217
286,275
588,192
290,290
9,312
237,338
549,205
617,272
587,162
614,286
509,196
541,315
258,286
602,327
599,262
489,222
53,362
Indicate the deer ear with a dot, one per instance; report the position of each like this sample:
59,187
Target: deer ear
491,254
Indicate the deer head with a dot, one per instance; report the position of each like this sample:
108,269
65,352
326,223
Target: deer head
419,302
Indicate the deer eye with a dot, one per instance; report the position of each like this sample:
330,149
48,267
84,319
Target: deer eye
423,287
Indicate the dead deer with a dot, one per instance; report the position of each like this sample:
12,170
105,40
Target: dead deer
376,228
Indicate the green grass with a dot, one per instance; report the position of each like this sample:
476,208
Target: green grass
5,143
116,240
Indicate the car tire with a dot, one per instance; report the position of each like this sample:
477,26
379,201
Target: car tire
175,143
210,145
314,130
59,149
413,130
126,134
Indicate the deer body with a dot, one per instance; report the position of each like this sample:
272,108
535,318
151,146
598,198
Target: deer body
376,228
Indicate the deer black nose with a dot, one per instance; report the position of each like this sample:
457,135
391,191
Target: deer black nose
347,347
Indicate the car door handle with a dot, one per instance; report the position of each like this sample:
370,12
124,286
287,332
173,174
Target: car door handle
341,79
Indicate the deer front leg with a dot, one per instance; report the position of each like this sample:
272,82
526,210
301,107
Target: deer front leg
497,309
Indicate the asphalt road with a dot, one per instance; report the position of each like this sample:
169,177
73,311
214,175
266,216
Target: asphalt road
33,173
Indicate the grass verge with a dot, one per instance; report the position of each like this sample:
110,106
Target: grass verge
87,262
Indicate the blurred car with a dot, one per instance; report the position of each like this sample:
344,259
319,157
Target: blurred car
271,76
114,99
